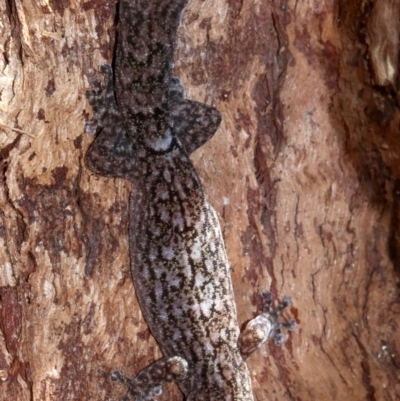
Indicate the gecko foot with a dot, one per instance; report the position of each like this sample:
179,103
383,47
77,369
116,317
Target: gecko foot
265,325
148,382
274,314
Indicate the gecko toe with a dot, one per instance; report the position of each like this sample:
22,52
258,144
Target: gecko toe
106,70
116,376
278,339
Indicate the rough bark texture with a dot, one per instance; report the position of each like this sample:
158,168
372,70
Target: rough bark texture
304,173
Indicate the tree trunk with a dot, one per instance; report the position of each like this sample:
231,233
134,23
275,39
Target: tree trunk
304,173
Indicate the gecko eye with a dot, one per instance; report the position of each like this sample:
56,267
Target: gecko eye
116,376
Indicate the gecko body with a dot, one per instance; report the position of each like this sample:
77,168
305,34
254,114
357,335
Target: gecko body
178,259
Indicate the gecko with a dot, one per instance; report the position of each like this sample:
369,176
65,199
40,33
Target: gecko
146,131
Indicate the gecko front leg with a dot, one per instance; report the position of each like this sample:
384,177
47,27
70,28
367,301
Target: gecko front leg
264,326
112,154
193,122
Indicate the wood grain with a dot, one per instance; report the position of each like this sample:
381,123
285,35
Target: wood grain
304,174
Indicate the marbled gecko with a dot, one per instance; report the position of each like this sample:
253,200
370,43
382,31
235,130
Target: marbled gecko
178,259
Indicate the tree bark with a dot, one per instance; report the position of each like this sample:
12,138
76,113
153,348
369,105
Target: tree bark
304,173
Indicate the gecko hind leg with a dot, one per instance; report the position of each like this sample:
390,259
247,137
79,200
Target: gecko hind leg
264,326
149,381
193,122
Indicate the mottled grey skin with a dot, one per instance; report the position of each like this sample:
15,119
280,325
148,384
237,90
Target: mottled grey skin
178,259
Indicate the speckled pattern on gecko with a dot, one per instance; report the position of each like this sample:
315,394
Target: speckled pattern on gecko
178,259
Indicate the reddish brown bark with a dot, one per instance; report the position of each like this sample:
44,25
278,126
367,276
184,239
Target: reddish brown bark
304,173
